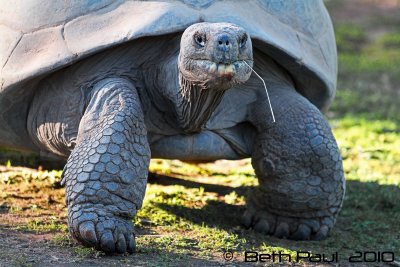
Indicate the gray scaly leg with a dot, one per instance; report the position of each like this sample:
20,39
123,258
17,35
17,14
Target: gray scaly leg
106,173
299,168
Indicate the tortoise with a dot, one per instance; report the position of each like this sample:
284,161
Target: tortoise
107,85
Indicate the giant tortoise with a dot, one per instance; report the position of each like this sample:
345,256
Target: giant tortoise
106,85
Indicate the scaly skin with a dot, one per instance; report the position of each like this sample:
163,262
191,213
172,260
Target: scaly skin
299,168
106,173
296,159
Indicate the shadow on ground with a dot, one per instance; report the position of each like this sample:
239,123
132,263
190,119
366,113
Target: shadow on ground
369,220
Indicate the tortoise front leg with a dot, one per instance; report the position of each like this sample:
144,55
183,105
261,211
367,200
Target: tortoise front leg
106,173
299,169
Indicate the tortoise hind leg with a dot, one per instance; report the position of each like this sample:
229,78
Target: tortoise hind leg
299,169
106,173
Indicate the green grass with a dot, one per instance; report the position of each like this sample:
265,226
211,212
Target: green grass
369,74
192,212
200,215
205,220
42,225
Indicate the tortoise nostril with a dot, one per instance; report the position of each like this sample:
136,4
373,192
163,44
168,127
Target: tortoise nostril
224,42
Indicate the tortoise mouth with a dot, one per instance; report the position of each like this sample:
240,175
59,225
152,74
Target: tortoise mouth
221,74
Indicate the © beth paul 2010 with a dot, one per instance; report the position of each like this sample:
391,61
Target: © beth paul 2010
357,256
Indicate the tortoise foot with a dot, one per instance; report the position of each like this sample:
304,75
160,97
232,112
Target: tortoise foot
295,228
96,228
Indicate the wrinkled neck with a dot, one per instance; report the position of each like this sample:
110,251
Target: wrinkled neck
191,104
195,105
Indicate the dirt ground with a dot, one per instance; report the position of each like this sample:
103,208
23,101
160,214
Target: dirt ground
31,249
33,227
33,219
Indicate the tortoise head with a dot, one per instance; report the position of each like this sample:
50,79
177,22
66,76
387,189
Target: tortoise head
213,55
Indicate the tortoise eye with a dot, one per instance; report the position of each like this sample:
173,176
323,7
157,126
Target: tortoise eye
243,41
200,40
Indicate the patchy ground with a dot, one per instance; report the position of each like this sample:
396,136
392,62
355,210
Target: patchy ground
191,213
